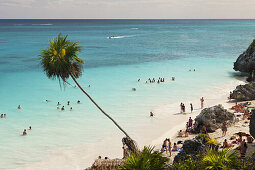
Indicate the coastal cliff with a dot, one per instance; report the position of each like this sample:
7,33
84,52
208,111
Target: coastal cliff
246,61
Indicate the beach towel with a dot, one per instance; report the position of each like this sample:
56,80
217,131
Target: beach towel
178,149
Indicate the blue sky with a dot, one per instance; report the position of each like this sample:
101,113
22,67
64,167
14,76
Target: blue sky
137,9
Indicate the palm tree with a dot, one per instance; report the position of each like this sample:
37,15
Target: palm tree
60,61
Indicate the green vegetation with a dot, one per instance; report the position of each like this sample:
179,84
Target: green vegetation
147,159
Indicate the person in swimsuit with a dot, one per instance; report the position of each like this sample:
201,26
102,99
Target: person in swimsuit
24,132
224,129
63,108
169,147
164,145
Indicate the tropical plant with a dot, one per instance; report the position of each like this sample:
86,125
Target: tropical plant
225,159
147,159
60,61
188,164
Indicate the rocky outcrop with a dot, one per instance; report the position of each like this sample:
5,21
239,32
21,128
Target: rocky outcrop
252,124
213,118
244,92
246,61
192,148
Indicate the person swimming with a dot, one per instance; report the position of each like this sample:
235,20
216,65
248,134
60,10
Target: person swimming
78,102
24,132
19,107
71,109
63,108
30,128
58,104
4,115
68,103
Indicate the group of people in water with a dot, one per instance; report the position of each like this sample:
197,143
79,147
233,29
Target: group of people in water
153,80
3,115
68,103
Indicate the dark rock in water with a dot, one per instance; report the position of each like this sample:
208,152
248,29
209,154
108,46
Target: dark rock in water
252,124
192,148
213,118
244,92
246,61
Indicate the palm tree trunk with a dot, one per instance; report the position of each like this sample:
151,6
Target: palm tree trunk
98,106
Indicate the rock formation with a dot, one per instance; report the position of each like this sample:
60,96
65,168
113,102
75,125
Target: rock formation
252,124
192,147
213,118
244,92
246,61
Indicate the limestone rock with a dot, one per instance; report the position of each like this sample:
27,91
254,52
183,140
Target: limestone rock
252,124
244,92
213,118
246,61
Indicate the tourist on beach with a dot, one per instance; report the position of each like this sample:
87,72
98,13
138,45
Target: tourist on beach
63,108
190,122
204,131
202,102
180,134
249,138
58,104
151,114
169,147
68,102
186,133
30,128
78,102
24,132
164,145
224,128
175,148
4,115
187,125
183,108
226,144
191,107
19,107
243,148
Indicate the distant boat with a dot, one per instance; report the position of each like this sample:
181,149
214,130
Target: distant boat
110,37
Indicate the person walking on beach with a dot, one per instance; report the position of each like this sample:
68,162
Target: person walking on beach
224,128
202,102
164,145
151,114
169,147
190,122
191,108
181,108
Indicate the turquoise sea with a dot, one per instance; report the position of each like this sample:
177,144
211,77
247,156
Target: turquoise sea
140,49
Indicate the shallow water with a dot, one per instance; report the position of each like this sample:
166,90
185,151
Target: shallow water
143,49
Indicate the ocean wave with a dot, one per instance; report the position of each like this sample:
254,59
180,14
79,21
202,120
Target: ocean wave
42,24
134,28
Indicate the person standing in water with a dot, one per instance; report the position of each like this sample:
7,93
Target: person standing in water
24,132
19,107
